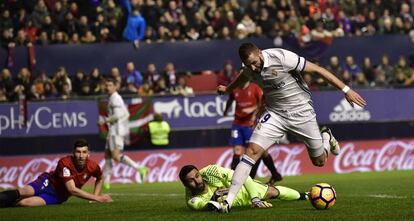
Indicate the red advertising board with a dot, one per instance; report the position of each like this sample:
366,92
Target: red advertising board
164,165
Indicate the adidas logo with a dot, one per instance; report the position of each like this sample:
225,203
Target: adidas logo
345,112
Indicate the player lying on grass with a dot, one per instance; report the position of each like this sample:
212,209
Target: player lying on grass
71,173
207,189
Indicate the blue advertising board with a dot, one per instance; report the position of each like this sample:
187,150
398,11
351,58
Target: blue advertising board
50,119
74,117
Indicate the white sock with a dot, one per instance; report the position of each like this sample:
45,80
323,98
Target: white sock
107,170
326,144
128,161
239,177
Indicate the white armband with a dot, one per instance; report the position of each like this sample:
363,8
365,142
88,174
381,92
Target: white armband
346,89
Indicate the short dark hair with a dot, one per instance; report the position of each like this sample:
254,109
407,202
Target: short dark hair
246,49
184,171
111,79
80,143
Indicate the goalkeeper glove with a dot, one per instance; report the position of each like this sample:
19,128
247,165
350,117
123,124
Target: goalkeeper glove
257,203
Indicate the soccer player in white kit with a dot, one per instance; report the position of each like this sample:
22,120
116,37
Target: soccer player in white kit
288,107
117,120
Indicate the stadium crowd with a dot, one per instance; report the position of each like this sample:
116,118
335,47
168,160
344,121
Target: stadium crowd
88,21
63,85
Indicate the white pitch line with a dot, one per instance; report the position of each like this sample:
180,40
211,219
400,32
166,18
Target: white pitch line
147,194
385,196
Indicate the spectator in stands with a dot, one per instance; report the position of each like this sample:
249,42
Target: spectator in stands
116,74
115,30
50,91
60,38
161,87
152,75
88,37
7,82
133,76
145,90
331,24
30,30
159,131
225,33
61,78
360,81
58,13
69,24
130,89
321,34
85,89
111,10
368,70
24,77
150,35
402,64
135,27
34,94
7,38
43,39
182,88
3,95
346,78
381,79
78,81
74,39
226,75
170,74
310,82
209,33
49,27
264,21
19,91
192,34
345,23
351,67
399,80
386,67
95,79
39,13
334,66
83,26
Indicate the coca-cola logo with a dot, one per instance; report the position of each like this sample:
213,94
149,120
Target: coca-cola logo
394,155
21,175
162,168
285,159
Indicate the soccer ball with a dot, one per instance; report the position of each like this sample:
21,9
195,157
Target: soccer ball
322,196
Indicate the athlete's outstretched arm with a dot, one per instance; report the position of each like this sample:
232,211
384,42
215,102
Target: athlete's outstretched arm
98,186
70,185
350,95
240,80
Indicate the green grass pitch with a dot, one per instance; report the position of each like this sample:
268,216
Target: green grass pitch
361,196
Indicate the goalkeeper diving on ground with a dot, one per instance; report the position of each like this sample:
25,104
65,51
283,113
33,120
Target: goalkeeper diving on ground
206,189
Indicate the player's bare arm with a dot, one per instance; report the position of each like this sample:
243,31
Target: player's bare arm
350,95
75,191
241,79
98,186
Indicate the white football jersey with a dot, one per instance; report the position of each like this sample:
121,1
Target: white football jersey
281,80
117,108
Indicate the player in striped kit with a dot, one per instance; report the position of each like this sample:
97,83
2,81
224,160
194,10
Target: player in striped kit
288,107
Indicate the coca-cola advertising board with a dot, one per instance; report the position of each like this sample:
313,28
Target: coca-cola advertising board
164,165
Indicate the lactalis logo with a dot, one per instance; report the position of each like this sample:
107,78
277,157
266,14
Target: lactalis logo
345,112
